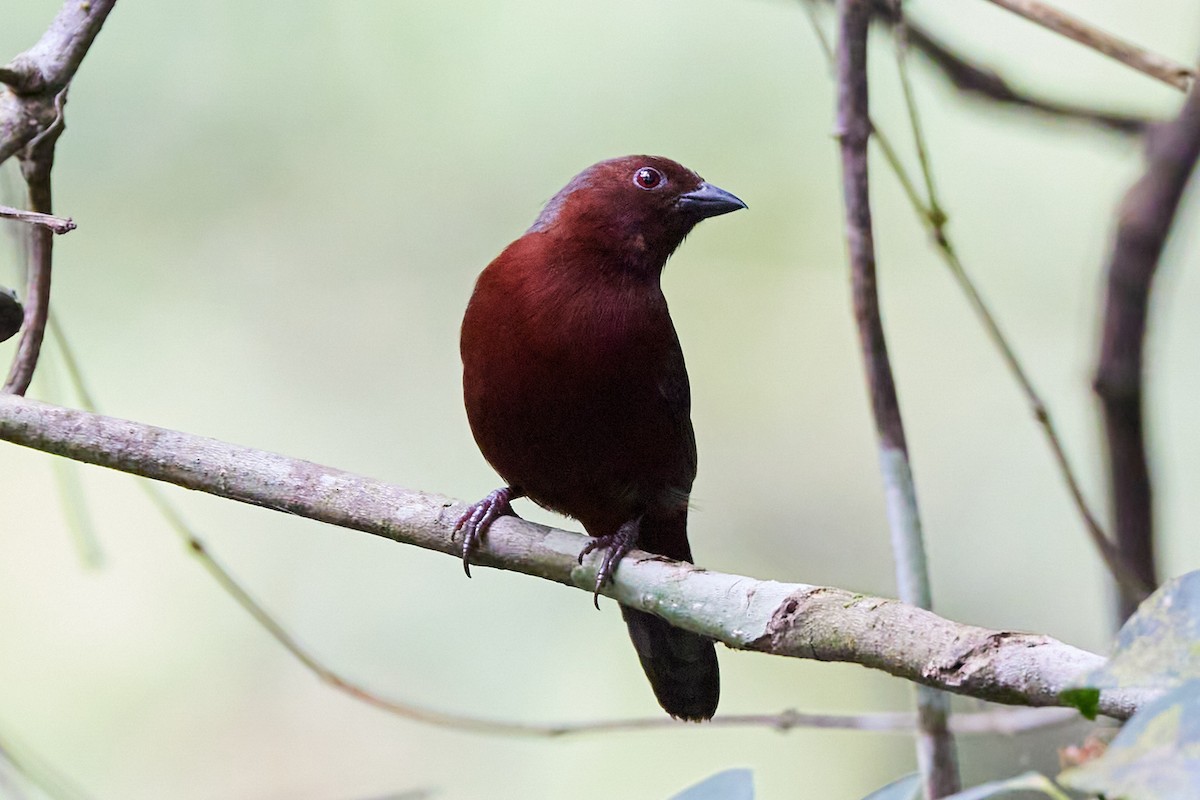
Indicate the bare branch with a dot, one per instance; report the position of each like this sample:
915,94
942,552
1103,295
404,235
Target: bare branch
794,620
1007,722
55,224
48,66
935,745
21,120
1145,220
935,220
33,89
973,78
37,162
1131,55
32,80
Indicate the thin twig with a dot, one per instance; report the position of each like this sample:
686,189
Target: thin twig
31,120
38,771
935,219
935,745
1131,55
37,163
972,78
76,513
1127,577
900,39
1144,223
55,224
792,620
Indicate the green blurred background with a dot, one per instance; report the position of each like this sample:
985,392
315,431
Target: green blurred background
282,209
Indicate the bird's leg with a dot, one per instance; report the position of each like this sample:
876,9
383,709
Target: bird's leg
617,544
475,521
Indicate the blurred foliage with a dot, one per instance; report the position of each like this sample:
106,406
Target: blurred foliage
1031,783
1028,784
731,784
1156,648
282,208
906,788
1156,755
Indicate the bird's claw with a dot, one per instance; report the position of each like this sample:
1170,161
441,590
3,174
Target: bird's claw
478,516
616,546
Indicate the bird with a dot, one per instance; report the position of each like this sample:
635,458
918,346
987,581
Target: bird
577,393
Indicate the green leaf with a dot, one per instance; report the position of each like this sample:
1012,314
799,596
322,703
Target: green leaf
732,784
1158,647
906,788
1086,699
1156,756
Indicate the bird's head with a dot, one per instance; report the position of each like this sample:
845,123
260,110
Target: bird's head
635,209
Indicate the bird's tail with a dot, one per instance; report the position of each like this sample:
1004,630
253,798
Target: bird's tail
681,666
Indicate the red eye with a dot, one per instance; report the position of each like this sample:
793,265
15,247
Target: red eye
648,178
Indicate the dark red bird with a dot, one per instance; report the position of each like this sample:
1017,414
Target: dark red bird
577,393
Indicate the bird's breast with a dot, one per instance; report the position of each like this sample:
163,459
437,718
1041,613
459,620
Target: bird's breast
578,394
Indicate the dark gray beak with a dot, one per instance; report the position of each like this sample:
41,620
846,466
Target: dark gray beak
707,200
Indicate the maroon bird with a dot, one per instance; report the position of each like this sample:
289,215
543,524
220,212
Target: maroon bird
577,393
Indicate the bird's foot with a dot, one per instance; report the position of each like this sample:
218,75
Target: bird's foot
617,545
475,521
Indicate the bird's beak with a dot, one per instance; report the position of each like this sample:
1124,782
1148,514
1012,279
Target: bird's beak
707,200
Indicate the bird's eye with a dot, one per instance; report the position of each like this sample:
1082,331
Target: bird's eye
648,178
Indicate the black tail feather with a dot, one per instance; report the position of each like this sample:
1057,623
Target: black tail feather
681,666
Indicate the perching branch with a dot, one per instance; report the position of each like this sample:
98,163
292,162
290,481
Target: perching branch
1144,222
935,745
1006,722
794,620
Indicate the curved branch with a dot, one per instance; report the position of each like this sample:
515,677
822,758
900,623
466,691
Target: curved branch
32,80
975,78
972,78
787,619
48,66
33,87
37,162
1145,219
